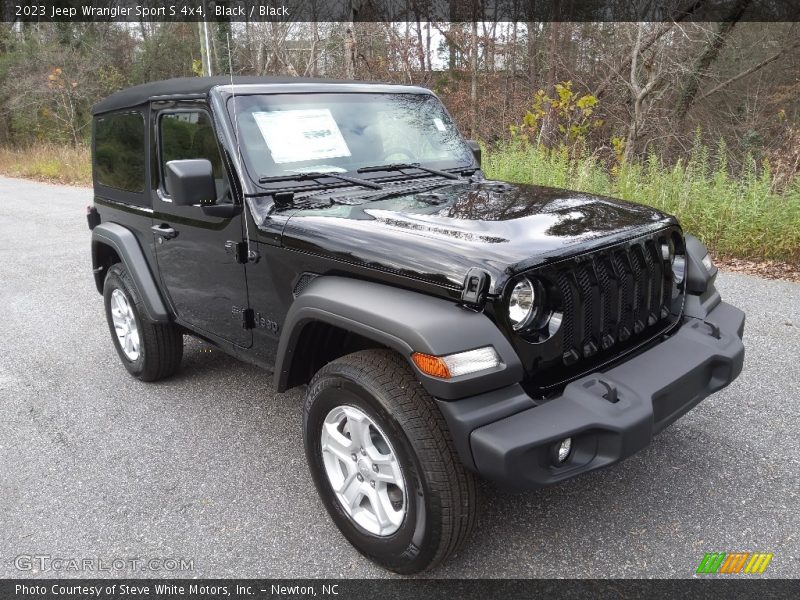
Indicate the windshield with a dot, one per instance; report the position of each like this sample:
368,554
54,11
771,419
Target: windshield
284,134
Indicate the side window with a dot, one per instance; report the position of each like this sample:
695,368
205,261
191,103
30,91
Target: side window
190,134
119,151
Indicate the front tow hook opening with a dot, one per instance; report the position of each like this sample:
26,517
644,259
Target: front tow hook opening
561,451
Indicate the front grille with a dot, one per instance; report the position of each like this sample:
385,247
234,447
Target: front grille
611,301
611,297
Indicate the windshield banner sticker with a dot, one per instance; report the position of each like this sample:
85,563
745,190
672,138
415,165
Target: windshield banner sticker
301,135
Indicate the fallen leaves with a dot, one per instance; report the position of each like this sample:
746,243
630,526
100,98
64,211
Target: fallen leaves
768,269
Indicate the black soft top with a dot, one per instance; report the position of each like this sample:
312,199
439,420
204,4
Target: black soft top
192,87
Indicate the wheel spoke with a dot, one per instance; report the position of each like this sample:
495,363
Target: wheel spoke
378,458
358,426
351,491
337,444
379,509
388,476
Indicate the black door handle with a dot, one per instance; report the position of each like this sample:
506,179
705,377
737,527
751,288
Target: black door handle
164,231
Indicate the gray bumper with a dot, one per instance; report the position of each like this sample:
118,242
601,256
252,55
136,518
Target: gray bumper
610,415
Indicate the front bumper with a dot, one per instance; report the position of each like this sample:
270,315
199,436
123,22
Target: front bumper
505,436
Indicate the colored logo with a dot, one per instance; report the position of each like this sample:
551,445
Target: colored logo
734,562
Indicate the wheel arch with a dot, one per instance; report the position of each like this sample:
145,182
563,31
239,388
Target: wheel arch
370,315
113,243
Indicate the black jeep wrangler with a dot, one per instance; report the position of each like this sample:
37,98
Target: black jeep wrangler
446,326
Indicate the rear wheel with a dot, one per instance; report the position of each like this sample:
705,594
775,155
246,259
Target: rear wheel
150,351
384,464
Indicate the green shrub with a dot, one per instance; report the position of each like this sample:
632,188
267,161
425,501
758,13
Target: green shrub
742,217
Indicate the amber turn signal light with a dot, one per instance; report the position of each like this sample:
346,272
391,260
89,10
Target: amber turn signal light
431,365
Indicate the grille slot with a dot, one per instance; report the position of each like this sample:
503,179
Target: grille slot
568,320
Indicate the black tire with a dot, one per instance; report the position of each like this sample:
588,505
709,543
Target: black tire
161,344
442,495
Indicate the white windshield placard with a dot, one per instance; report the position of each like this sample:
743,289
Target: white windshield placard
301,135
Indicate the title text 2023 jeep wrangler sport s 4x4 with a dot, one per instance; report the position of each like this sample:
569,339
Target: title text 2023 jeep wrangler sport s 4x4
343,234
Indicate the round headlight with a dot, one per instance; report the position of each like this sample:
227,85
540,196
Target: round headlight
521,304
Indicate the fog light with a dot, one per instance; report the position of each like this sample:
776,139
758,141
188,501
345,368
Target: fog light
564,448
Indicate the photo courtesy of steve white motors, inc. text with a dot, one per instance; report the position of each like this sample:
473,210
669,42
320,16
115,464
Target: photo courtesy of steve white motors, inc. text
212,590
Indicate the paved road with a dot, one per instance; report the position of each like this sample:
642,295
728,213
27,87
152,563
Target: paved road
209,466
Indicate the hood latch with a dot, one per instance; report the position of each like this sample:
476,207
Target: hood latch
476,286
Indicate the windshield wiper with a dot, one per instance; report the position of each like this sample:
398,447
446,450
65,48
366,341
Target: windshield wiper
319,175
405,191
402,166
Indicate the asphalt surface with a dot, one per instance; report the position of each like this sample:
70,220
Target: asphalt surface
209,466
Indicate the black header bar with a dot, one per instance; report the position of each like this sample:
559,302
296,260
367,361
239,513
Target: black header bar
740,587
401,10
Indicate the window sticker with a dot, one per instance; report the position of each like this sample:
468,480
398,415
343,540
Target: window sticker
439,125
301,135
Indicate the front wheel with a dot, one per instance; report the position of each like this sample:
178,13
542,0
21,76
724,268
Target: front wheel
383,461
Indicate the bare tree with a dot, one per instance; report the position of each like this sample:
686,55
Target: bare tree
708,55
640,90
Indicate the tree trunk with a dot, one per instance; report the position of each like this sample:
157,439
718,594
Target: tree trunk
205,53
473,96
350,53
707,57
314,42
549,123
452,59
531,48
428,45
639,94
420,44
679,14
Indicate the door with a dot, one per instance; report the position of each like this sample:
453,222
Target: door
197,253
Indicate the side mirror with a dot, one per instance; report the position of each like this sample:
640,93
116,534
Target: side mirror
476,150
191,181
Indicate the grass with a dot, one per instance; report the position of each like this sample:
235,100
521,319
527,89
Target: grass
737,217
742,217
48,162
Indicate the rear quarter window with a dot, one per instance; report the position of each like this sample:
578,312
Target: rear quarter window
119,151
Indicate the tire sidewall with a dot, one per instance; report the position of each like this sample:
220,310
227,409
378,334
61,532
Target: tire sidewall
116,280
410,545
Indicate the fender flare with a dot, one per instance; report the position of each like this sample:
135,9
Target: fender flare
702,295
127,247
698,278
404,321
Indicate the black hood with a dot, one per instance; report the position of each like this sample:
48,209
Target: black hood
438,236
